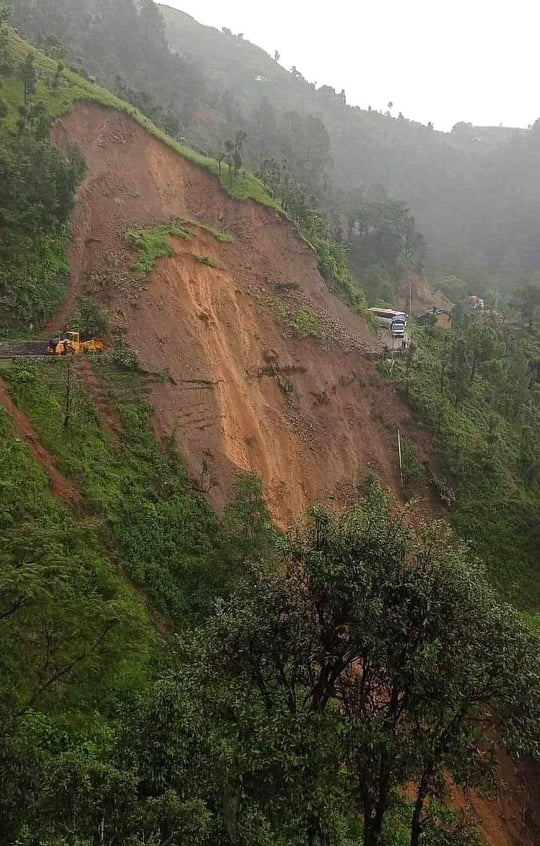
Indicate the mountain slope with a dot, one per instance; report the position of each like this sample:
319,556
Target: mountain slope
246,391
453,182
248,361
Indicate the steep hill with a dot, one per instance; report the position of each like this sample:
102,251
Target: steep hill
229,351
268,370
474,191
461,186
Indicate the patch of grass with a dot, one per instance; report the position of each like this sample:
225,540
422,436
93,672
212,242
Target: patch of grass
207,260
72,583
307,325
285,384
152,244
478,443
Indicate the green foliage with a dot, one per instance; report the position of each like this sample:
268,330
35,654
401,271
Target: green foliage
125,357
454,289
73,639
219,235
38,188
527,301
333,264
27,72
383,240
367,660
414,472
250,532
60,91
473,387
307,325
261,726
152,244
91,318
168,539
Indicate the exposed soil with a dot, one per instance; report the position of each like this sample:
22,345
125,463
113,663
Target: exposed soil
503,820
309,416
63,490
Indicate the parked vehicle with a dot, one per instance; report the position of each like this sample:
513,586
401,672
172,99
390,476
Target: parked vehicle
390,318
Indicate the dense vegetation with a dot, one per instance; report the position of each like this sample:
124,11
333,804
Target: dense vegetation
373,659
476,386
38,188
171,677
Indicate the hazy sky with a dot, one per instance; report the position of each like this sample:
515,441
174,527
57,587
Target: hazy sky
472,60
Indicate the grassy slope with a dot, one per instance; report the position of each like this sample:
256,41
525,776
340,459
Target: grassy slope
162,531
83,585
74,88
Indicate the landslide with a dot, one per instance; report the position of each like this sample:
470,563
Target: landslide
242,391
308,415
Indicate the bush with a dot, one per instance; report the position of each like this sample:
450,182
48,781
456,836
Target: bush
125,357
91,319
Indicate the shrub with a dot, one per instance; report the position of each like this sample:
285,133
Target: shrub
125,357
91,319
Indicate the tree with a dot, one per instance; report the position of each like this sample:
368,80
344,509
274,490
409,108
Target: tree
27,73
239,141
380,652
483,344
5,64
459,370
527,301
232,153
228,156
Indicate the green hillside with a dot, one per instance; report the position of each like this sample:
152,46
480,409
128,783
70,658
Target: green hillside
170,676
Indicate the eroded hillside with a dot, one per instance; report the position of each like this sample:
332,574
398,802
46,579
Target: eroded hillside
269,371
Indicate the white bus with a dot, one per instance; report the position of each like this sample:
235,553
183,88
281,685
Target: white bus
391,319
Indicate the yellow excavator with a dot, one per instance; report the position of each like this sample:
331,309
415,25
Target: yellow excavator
71,344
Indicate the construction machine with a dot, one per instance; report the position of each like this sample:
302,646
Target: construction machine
71,344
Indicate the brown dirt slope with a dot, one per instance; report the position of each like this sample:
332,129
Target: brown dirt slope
64,490
221,332
310,415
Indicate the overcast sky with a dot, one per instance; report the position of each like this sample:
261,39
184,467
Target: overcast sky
472,60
